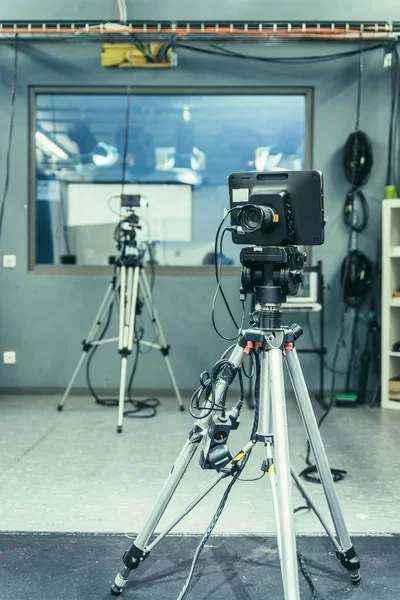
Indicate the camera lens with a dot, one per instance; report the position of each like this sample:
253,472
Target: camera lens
252,219
256,218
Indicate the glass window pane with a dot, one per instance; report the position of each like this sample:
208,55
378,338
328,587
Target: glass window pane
174,149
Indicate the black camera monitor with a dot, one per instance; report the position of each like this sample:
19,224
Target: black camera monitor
281,208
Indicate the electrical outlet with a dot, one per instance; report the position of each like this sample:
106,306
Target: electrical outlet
9,357
9,261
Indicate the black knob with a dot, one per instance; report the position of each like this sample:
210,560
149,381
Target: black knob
297,330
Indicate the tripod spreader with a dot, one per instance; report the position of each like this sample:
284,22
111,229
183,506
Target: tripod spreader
282,339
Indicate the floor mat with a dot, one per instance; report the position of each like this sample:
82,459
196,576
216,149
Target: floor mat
82,567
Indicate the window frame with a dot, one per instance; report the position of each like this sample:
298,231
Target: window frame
201,270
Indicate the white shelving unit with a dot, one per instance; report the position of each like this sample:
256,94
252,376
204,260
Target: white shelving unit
390,365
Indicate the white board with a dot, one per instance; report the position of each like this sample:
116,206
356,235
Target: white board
168,217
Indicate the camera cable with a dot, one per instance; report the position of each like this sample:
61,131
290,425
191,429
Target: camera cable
224,498
218,276
357,164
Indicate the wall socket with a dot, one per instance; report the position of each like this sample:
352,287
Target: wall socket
9,261
9,357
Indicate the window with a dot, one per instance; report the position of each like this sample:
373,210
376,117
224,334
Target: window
175,149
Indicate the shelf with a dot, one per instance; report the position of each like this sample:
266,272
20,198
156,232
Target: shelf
395,302
395,252
391,353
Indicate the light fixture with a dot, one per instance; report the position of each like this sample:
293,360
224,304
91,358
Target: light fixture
49,147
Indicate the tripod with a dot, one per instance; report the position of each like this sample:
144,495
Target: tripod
270,274
128,281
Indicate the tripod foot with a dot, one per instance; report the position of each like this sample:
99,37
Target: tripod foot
182,408
59,407
119,582
119,429
349,560
115,591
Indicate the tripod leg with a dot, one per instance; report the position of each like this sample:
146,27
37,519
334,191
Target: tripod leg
314,508
285,518
135,554
87,344
265,432
127,312
347,556
148,300
138,550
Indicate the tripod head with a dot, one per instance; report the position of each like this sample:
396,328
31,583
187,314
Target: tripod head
127,228
271,273
125,236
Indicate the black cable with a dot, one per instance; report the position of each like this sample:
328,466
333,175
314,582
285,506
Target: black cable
127,119
310,473
279,60
251,374
315,345
91,356
235,478
351,217
352,366
10,134
151,264
303,568
149,404
391,177
207,388
218,291
218,268
357,171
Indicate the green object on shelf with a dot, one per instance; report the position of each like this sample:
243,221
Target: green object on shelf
391,192
346,400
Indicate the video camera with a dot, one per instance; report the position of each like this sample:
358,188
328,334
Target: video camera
281,208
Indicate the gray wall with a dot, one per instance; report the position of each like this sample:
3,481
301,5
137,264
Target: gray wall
44,318
307,10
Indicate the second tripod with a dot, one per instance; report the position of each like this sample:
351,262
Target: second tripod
130,282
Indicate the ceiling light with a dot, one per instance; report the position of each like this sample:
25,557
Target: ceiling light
49,147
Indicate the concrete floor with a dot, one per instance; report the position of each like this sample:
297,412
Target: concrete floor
70,471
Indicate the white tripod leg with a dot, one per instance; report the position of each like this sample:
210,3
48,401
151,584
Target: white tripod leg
127,313
91,337
265,433
148,300
285,516
347,557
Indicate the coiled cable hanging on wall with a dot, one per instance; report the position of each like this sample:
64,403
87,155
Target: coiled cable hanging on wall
357,165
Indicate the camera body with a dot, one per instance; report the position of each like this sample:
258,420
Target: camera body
281,208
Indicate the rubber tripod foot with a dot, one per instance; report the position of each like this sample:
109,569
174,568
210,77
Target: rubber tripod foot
59,408
119,429
355,579
182,408
115,591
